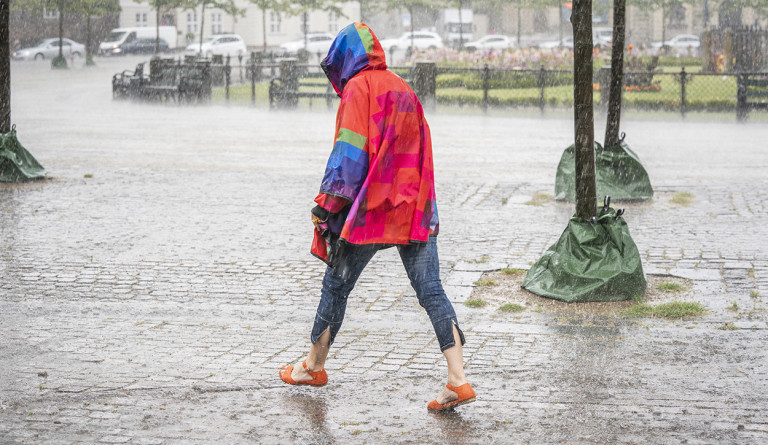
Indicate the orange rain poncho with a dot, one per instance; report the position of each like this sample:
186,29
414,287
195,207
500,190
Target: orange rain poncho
379,183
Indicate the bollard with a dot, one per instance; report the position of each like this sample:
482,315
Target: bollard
486,81
683,78
289,84
542,79
227,72
240,64
425,85
253,79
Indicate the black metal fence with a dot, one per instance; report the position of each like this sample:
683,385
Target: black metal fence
290,82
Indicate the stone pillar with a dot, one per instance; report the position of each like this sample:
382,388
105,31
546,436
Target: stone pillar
425,84
289,84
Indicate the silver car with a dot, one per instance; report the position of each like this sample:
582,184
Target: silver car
48,49
220,45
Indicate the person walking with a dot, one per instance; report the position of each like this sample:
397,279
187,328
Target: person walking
378,191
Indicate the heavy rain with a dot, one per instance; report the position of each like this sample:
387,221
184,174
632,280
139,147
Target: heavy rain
158,274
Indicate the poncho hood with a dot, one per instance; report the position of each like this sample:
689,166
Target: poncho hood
355,49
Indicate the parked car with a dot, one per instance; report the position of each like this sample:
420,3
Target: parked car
493,41
219,45
602,37
681,44
48,49
566,42
317,42
140,46
421,40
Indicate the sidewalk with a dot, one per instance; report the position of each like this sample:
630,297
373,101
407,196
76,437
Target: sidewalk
155,284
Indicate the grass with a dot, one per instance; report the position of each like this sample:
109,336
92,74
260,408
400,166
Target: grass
539,199
87,176
734,307
511,308
683,199
671,287
475,303
482,260
673,310
728,327
754,294
484,282
512,272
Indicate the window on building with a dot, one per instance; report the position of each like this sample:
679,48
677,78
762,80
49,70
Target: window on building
216,23
50,13
677,16
274,22
192,22
141,19
168,20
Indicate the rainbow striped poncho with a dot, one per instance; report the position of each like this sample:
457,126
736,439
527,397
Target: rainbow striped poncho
379,181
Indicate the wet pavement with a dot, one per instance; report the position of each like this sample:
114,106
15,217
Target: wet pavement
155,283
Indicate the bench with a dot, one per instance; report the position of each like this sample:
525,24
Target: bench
164,78
169,81
127,85
284,94
751,93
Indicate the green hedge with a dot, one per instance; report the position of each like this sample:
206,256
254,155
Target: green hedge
502,80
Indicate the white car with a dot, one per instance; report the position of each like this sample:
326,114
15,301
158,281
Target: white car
317,42
567,42
221,45
48,49
682,43
602,37
421,40
493,41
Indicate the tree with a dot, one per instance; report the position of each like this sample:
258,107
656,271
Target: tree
268,5
304,7
92,9
62,7
617,74
581,19
161,6
5,67
228,6
411,6
531,4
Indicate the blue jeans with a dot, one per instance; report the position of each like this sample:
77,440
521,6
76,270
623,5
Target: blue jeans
421,264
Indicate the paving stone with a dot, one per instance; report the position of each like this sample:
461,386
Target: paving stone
161,296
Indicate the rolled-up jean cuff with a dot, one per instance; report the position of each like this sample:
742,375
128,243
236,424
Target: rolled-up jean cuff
444,332
321,325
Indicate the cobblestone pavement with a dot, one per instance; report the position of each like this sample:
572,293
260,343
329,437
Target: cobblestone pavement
153,286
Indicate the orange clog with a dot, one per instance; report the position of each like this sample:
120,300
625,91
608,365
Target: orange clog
466,395
319,378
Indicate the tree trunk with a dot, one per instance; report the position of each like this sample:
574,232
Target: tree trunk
264,27
461,27
202,27
304,20
157,29
5,68
586,193
519,24
617,74
61,30
88,36
410,12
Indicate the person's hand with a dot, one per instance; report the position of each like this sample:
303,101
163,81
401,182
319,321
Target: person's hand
316,222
